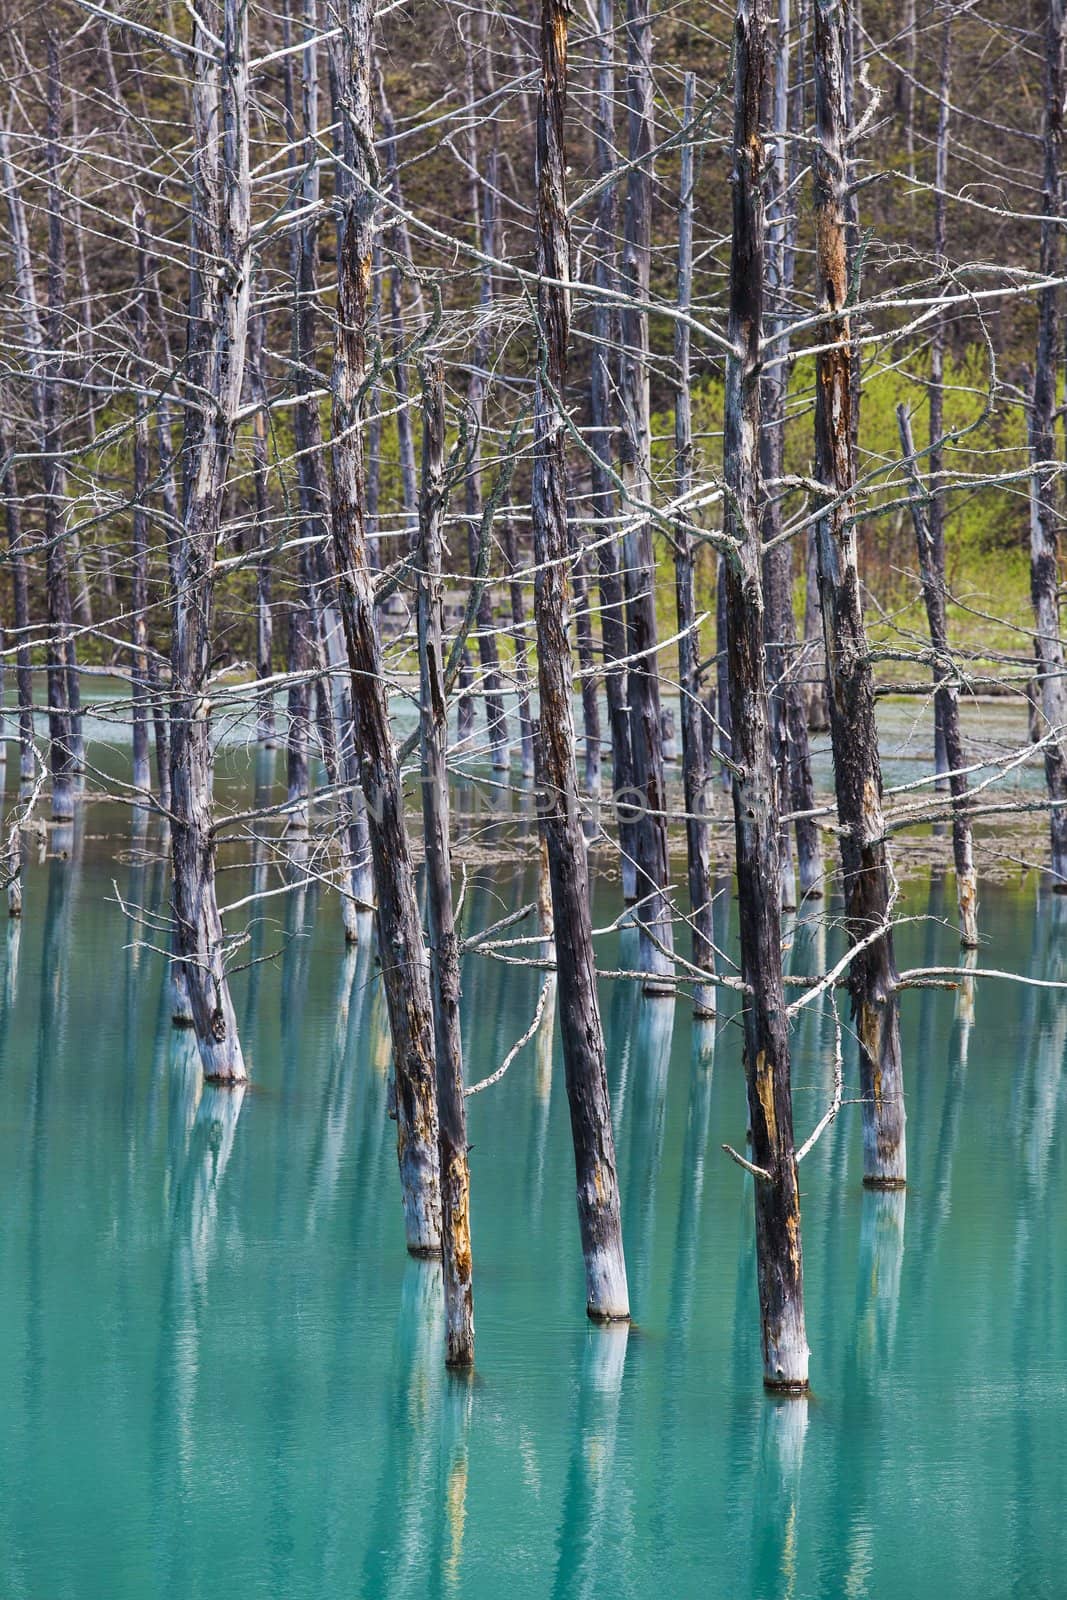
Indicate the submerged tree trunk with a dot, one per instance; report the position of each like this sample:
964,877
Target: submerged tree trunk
1044,530
767,1069
444,946
932,572
405,967
868,879
696,726
580,1025
646,736
218,324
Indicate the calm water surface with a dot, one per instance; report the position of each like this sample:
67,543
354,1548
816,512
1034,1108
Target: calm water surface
222,1376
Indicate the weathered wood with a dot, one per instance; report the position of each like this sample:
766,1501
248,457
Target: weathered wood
444,946
1044,494
868,880
142,768
789,723
639,582
580,1025
696,726
946,692
518,634
218,325
405,965
20,601
936,387
779,1261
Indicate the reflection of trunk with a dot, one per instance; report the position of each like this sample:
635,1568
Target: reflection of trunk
778,1252
218,321
946,695
646,744
405,969
444,947
580,1025
857,768
1044,540
696,726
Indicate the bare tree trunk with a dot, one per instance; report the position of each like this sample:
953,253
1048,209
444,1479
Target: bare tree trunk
653,867
601,413
405,967
444,946
1044,535
722,674
522,662
218,325
580,1024
936,512
583,631
868,878
142,768
767,1069
789,719
21,606
946,691
696,727
257,377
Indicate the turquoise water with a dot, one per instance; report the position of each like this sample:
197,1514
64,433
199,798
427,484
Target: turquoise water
222,1376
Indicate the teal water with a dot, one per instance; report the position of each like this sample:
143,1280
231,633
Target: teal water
221,1375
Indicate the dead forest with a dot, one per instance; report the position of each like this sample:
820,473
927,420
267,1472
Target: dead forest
603,409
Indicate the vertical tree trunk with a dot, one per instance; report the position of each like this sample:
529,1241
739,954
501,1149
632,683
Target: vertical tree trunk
696,727
946,692
789,723
778,1248
218,325
646,747
580,1025
405,967
868,877
936,512
583,630
257,378
601,413
1044,528
518,633
142,769
444,947
20,601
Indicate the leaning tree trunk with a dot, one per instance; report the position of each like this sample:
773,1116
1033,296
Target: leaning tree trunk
779,1263
218,324
1044,536
868,877
946,692
583,1038
444,946
405,967
789,713
646,737
696,726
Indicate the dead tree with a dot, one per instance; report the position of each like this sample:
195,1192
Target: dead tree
518,634
257,382
946,693
646,737
868,877
767,1069
580,1025
789,715
936,506
142,769
696,726
219,292
1044,538
20,601
444,946
405,967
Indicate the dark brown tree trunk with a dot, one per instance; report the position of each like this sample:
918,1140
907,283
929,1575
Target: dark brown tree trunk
946,692
868,880
580,1025
444,946
696,726
1044,509
405,967
936,508
767,1069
